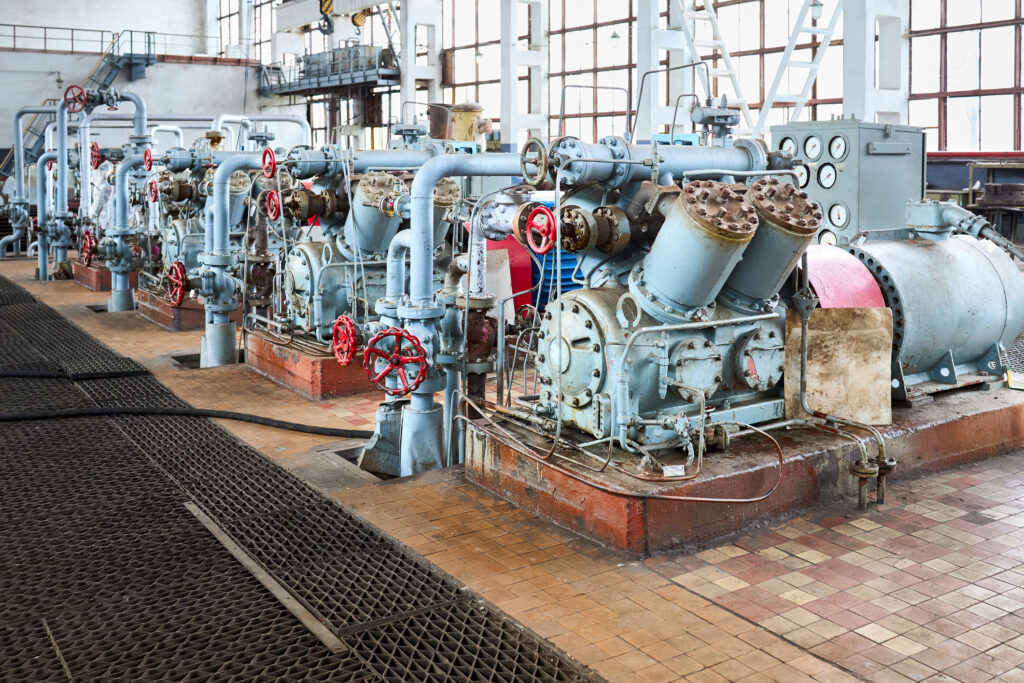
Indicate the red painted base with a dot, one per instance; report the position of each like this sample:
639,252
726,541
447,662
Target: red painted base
188,317
97,278
314,376
618,510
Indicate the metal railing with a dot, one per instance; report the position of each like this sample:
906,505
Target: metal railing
340,66
15,37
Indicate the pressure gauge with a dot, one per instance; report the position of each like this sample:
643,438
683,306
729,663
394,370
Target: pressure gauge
837,147
812,147
788,145
802,175
827,176
827,237
838,215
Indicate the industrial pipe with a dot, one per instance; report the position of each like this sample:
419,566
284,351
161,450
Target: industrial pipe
330,160
179,136
42,214
117,250
245,123
18,214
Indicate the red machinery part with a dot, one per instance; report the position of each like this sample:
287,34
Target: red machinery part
74,98
840,280
95,156
396,360
176,283
546,230
49,165
269,162
154,191
147,160
88,248
344,340
273,205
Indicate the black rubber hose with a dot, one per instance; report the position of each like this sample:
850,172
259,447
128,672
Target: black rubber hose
188,412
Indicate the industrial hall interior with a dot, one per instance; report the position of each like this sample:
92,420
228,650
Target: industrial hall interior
512,340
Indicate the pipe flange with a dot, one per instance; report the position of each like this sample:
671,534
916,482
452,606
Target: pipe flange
719,209
662,308
785,206
864,469
886,465
217,259
477,302
890,292
756,149
424,312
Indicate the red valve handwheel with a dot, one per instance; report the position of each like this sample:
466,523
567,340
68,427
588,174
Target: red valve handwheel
344,340
269,162
154,191
176,283
395,360
136,251
49,165
88,248
273,205
546,230
74,99
95,156
147,160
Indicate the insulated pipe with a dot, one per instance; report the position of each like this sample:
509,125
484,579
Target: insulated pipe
19,206
42,211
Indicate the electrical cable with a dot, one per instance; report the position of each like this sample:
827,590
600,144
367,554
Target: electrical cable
107,411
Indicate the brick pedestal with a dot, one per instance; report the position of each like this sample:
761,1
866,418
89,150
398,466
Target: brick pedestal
315,376
97,278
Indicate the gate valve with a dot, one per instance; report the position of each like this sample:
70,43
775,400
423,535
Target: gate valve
269,162
95,156
154,191
546,229
395,361
344,340
273,205
147,159
88,248
540,161
74,98
177,281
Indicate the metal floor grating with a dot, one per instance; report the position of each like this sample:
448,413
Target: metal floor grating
104,573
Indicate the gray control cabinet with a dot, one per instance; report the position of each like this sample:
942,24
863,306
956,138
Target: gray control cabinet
863,174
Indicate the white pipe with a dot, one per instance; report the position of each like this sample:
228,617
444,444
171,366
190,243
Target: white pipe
245,123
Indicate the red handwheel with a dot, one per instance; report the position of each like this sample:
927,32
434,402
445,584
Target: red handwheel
49,165
176,283
344,340
74,98
88,248
95,156
406,350
273,205
546,229
269,162
154,191
147,159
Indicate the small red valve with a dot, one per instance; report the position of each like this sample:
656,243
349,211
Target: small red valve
546,229
344,340
177,282
95,156
154,191
406,350
74,99
269,162
273,205
88,248
147,160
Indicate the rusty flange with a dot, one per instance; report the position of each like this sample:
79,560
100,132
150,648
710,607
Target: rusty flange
719,208
785,206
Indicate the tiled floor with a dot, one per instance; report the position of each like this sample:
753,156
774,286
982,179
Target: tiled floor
924,587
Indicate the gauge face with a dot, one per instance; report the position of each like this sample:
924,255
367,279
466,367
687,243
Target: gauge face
802,176
827,176
838,215
788,145
837,147
812,147
827,237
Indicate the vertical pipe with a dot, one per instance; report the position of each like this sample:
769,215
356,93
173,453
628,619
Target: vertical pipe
42,214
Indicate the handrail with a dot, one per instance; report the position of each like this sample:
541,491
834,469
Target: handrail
16,37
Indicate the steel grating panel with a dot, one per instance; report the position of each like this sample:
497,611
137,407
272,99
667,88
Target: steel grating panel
103,563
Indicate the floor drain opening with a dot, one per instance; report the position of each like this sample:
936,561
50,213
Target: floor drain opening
191,360
97,308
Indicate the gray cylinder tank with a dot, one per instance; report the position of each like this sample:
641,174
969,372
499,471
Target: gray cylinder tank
700,242
949,295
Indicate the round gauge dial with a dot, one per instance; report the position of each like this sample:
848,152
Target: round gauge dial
827,176
788,145
837,147
802,175
838,215
827,237
812,147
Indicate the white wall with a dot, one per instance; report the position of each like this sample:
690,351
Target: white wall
181,16
27,78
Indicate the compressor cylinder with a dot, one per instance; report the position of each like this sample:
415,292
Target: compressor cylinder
702,239
788,221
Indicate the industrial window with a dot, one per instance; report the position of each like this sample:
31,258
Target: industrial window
965,76
227,23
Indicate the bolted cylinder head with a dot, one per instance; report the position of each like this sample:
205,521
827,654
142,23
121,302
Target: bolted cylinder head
704,235
788,222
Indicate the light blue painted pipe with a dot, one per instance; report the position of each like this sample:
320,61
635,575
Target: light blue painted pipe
19,205
42,214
